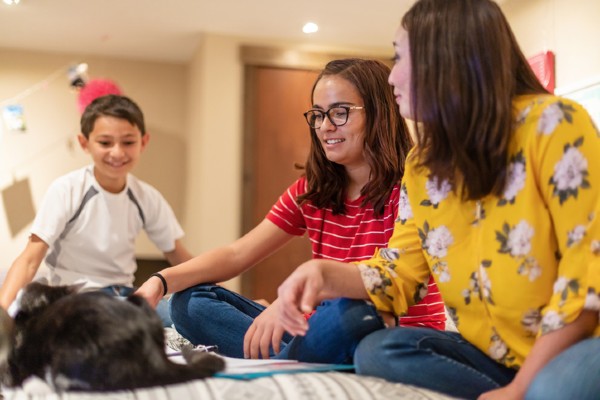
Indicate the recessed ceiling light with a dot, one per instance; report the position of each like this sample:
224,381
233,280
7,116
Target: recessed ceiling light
11,2
310,27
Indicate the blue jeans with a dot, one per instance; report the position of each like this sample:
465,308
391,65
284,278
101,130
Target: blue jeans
573,374
437,360
162,308
212,315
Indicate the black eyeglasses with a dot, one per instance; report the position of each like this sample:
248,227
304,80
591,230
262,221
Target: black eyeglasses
337,115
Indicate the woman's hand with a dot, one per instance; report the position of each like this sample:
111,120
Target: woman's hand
508,392
265,332
299,294
311,283
152,290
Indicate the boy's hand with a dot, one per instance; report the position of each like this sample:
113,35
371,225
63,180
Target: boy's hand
265,332
152,291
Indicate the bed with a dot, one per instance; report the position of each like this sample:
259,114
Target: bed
298,386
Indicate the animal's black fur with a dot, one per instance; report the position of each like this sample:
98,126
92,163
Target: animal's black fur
95,342
6,335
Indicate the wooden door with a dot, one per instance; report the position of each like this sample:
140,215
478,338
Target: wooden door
276,138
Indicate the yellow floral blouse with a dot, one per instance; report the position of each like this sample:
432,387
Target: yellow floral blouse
512,267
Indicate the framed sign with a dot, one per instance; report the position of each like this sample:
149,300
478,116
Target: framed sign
542,65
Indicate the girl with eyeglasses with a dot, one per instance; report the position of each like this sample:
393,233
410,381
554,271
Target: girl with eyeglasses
346,202
499,203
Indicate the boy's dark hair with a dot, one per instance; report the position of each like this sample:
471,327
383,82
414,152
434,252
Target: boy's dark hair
112,106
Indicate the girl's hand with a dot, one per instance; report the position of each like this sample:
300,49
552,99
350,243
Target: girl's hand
265,332
152,291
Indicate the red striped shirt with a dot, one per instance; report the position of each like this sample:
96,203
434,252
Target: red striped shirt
353,236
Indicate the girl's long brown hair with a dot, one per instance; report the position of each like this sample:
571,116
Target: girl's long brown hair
467,68
386,144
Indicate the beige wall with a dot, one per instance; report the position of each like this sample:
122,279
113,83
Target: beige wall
194,114
569,28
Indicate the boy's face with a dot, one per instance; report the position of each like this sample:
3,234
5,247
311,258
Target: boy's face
115,146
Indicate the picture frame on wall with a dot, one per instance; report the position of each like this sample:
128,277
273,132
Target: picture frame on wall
586,93
14,118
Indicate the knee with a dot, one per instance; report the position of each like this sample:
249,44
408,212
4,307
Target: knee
368,355
354,316
179,303
547,385
571,375
380,349
538,389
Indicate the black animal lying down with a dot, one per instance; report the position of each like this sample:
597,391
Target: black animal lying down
95,342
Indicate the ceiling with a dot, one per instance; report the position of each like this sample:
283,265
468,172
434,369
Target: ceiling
171,30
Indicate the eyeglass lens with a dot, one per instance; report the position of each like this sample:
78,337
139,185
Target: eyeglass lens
337,115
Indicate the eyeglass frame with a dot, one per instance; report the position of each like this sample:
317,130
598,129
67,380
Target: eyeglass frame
326,113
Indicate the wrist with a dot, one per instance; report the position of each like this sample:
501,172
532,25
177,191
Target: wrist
163,281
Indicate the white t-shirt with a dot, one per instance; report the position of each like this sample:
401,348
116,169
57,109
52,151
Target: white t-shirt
91,233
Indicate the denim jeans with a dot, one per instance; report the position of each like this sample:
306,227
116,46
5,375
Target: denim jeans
162,308
212,315
438,360
573,374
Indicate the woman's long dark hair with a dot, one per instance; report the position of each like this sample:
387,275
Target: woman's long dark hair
467,68
386,143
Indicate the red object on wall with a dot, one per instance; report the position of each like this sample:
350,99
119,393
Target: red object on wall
94,89
543,67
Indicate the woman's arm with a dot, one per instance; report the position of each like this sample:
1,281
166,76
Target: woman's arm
219,264
545,348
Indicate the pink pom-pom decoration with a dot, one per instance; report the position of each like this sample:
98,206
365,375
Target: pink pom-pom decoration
93,89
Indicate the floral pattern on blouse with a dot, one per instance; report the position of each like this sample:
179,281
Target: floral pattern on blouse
404,209
531,322
570,173
509,267
516,241
553,115
515,179
479,284
498,350
435,242
436,191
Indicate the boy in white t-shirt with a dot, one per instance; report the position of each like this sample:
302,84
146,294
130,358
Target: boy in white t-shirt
89,219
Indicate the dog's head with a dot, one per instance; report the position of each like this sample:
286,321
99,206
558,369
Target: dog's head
35,297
